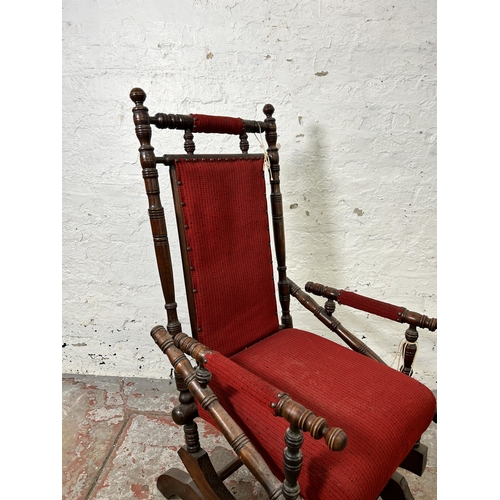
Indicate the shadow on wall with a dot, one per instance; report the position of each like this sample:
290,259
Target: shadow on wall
314,236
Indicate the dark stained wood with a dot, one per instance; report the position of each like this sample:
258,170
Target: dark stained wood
397,489
244,145
171,121
302,418
178,482
416,460
409,350
329,307
209,402
186,266
189,145
292,462
204,475
195,459
277,216
171,159
332,323
185,413
230,468
156,212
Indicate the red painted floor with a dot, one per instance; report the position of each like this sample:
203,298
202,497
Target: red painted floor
118,437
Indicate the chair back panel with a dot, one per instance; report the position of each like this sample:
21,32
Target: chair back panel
224,231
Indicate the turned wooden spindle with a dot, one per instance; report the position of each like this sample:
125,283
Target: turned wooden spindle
156,212
244,144
185,413
409,350
209,402
329,307
277,216
189,145
292,462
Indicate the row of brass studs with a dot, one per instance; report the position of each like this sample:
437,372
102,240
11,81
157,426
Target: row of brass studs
242,158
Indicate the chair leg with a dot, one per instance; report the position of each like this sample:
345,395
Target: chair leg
397,489
416,460
204,475
200,482
178,482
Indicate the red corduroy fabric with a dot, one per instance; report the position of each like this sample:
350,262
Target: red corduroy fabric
371,306
261,392
224,211
217,124
382,411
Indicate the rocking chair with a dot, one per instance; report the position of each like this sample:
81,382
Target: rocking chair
344,427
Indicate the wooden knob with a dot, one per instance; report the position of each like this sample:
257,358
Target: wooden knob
268,110
160,336
335,439
138,95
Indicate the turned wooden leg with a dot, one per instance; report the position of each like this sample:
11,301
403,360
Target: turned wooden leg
397,489
203,481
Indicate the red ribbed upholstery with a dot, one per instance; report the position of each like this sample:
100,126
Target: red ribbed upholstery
224,212
217,124
382,411
261,392
371,306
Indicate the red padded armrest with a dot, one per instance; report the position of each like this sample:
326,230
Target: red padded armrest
372,306
257,390
217,124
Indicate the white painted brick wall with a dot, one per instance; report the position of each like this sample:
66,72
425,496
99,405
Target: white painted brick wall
354,87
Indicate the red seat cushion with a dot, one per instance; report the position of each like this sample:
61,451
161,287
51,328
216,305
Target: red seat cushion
382,411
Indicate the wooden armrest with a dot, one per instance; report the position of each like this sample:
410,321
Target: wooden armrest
284,406
235,436
306,420
331,322
372,306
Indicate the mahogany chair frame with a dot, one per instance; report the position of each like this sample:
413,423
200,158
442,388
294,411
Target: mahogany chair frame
202,479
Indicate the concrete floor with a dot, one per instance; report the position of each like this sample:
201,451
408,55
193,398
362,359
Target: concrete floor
117,437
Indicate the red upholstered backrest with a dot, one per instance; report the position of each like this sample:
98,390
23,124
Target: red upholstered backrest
223,209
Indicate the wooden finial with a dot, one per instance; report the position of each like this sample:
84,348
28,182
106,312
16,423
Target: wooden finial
138,96
268,110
